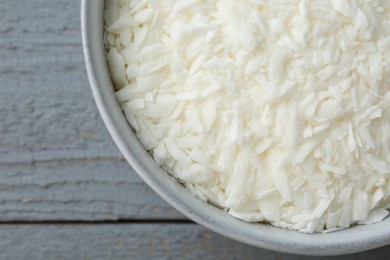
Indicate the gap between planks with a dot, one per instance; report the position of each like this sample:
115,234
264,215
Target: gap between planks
27,156
101,222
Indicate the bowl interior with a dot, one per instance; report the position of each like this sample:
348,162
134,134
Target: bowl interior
354,239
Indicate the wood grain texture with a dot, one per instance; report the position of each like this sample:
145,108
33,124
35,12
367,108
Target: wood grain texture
127,241
90,190
57,161
47,107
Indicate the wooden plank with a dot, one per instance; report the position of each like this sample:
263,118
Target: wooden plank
46,101
92,189
57,161
133,241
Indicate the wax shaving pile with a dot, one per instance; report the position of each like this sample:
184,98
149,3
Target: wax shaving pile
277,111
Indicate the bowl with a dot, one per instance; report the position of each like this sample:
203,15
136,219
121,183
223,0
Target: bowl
355,239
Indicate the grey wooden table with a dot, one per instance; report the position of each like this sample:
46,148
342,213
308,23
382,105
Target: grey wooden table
65,190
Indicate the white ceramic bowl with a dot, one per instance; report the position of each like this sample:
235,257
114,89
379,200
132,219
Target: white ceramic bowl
355,239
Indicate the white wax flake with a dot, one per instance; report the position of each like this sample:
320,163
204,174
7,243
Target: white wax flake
209,115
160,154
333,220
144,15
351,138
135,104
120,24
237,181
375,216
322,207
276,67
264,145
378,164
117,68
280,175
189,95
247,216
360,206
163,106
209,91
196,174
332,169
236,130
177,153
304,151
277,111
344,7
360,20
376,66
151,52
155,65
148,83
181,5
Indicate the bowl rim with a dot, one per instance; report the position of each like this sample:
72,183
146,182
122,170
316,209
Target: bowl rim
355,239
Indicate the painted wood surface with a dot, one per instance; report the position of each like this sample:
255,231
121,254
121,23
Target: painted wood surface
135,241
57,160
59,165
